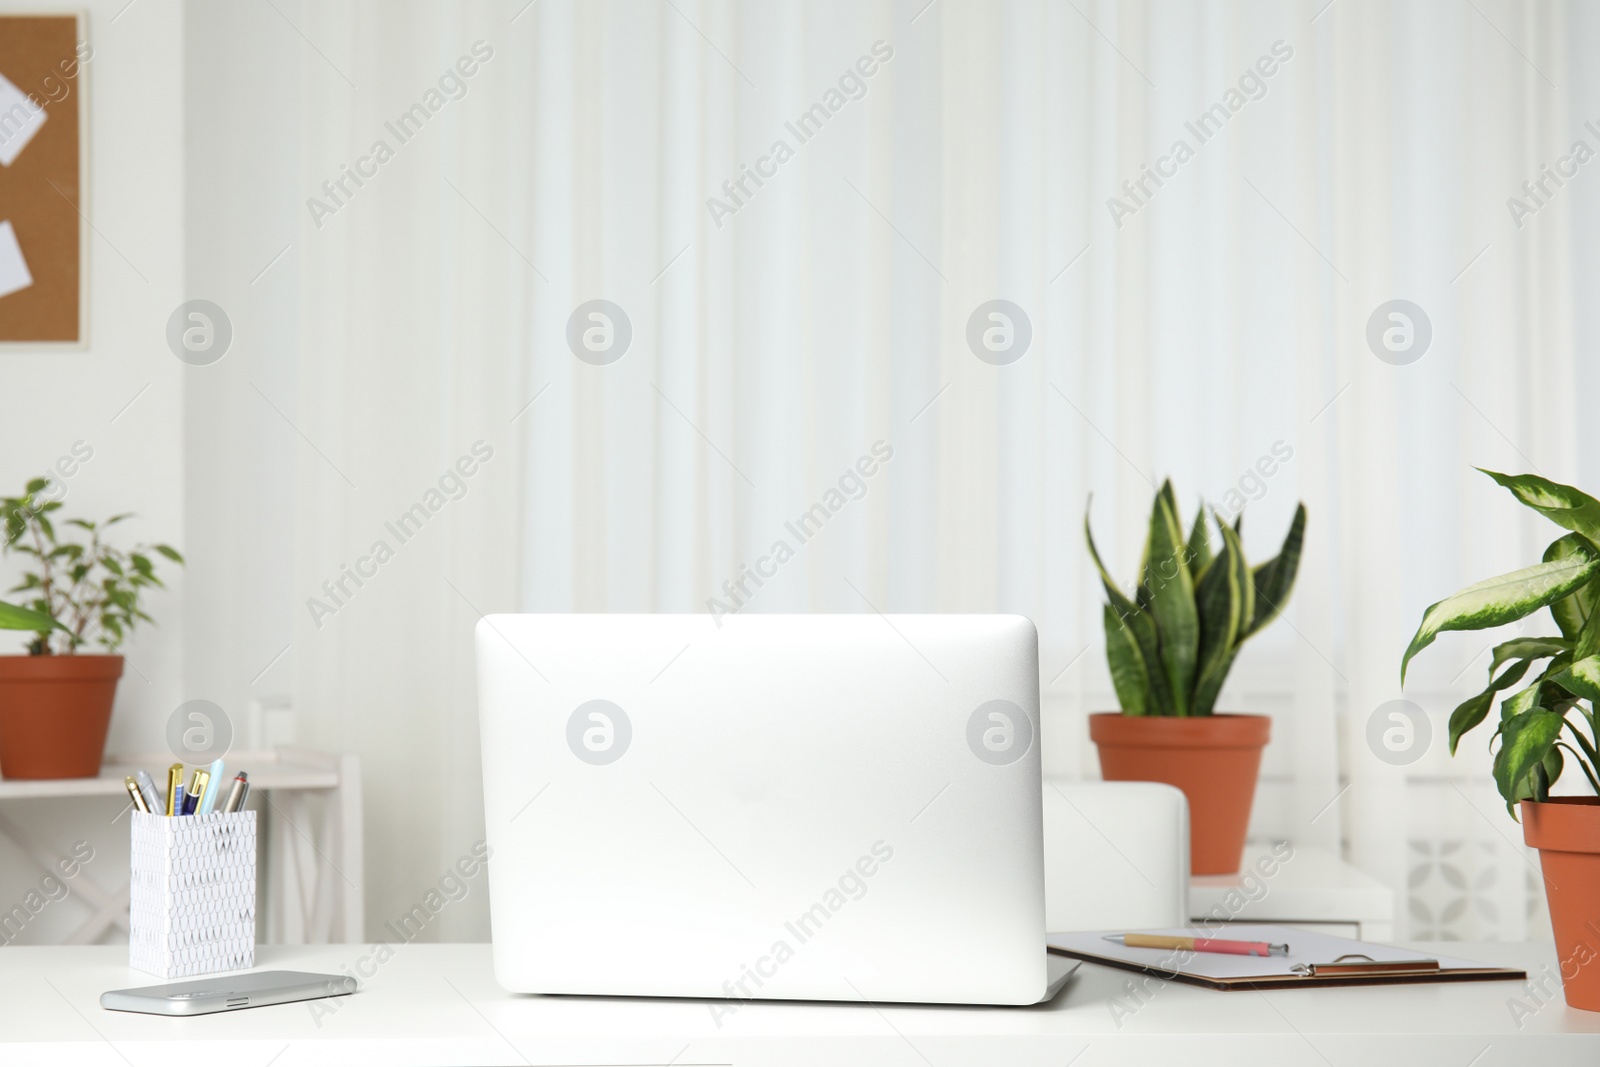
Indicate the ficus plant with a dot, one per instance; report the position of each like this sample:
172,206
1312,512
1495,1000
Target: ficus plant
1547,716
76,591
1170,646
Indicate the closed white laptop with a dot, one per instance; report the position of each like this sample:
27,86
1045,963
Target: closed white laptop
839,807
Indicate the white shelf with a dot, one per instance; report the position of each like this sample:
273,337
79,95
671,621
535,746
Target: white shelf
278,769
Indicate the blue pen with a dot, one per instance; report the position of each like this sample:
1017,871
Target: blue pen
191,799
208,799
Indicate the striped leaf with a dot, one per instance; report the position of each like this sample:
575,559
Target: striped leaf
1274,579
1224,598
1527,648
1581,679
1500,600
1139,624
1129,672
1171,593
1569,508
1525,741
1200,554
1572,612
1472,711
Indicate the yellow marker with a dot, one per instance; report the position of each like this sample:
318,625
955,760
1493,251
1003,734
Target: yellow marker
174,789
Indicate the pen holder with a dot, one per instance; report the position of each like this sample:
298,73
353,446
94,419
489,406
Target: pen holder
192,899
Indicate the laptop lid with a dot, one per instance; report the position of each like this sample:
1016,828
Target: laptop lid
839,807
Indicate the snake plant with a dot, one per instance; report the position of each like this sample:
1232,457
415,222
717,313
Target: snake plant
1170,646
1567,581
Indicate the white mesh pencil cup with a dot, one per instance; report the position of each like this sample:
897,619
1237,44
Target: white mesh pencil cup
192,901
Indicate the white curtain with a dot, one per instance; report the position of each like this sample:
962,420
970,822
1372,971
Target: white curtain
1193,327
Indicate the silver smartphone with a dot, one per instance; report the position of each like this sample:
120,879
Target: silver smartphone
228,992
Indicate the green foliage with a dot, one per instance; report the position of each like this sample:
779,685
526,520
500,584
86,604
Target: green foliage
1171,645
1528,742
77,592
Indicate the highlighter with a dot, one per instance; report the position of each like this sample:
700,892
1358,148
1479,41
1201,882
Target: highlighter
175,789
209,798
191,799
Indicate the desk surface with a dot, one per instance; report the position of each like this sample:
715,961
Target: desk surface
439,1004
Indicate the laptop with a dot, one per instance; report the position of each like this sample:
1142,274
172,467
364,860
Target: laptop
804,807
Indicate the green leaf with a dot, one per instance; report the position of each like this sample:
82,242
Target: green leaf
1572,612
82,523
15,618
1223,599
1200,555
1172,601
113,520
1581,679
1527,648
1129,672
36,485
1519,703
1475,709
1274,579
1138,623
1569,508
1525,741
1500,600
170,552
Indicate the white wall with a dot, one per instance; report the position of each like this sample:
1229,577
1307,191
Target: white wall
54,398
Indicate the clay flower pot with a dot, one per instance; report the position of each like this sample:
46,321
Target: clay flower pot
54,711
1566,831
1214,759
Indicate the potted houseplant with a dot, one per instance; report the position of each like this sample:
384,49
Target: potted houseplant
1170,647
55,700
1549,720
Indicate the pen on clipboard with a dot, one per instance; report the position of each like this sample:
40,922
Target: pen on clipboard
1200,944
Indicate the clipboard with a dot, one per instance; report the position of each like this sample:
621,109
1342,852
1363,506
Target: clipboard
1314,960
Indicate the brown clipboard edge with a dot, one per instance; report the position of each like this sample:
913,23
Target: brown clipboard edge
1483,974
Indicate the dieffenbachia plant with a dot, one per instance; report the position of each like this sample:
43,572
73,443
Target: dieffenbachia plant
1171,645
1567,581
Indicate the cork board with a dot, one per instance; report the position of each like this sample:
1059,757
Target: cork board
41,177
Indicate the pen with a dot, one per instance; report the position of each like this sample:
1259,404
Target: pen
237,794
209,797
133,791
191,799
175,789
147,787
1200,944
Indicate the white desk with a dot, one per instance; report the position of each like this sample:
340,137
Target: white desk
439,1004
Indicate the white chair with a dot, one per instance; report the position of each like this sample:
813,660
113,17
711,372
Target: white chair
1116,855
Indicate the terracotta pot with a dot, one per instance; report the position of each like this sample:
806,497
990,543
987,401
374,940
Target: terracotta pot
1566,831
54,711
1214,759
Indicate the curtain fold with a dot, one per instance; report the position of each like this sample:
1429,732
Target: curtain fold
791,309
